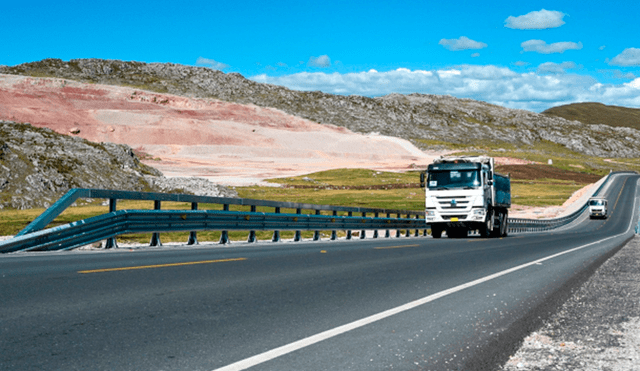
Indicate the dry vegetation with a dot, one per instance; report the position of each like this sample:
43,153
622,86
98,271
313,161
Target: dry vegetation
598,113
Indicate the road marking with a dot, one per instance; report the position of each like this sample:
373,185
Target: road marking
161,265
393,247
303,343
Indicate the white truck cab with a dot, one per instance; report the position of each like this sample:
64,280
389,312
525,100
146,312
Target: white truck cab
598,207
463,193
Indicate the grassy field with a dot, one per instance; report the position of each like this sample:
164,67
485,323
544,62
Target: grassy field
598,113
546,186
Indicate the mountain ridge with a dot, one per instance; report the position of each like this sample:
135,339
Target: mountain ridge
428,121
38,166
594,113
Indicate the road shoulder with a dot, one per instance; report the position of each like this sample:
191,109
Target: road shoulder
598,328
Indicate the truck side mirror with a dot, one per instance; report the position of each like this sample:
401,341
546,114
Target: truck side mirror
422,180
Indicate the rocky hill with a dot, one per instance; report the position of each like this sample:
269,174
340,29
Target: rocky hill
37,166
597,113
426,120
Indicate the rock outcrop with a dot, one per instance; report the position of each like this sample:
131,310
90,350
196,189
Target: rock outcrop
428,121
227,143
38,166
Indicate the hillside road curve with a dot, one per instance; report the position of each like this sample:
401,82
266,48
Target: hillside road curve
375,304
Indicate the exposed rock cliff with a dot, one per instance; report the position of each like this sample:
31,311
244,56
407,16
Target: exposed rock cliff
37,166
426,120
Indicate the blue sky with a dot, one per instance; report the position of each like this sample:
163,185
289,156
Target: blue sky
520,54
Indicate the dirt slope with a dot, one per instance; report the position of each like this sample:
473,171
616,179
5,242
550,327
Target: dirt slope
225,142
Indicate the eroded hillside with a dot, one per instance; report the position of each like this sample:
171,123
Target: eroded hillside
38,166
228,143
426,120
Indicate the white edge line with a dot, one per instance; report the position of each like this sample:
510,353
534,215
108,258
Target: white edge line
302,343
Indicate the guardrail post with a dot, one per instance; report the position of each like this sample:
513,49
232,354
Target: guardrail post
316,234
408,231
362,231
424,231
252,234
349,231
297,237
375,231
111,241
276,234
224,235
398,232
193,237
417,218
155,236
387,232
334,233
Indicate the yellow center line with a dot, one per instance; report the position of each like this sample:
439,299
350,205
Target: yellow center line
161,265
393,247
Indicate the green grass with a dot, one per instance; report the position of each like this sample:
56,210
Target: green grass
350,178
536,192
598,113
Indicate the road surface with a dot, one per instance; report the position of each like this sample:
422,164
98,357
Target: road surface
399,303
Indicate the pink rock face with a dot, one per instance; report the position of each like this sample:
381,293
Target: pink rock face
228,143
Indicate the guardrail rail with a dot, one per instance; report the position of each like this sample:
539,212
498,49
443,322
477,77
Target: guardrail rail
520,225
118,222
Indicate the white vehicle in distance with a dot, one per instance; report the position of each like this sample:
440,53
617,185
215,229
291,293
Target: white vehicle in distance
598,207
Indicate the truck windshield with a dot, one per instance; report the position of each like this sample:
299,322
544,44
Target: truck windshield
454,179
596,203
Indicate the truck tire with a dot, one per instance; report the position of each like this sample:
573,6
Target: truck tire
486,229
504,223
498,228
436,232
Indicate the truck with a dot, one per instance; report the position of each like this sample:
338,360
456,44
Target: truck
598,207
464,194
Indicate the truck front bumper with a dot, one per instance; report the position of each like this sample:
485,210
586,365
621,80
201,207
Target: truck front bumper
475,215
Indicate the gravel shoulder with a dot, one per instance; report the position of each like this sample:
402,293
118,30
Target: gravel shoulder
598,328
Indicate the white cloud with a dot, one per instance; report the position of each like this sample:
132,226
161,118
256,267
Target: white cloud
539,20
214,65
498,85
628,57
635,84
321,61
618,74
550,67
463,43
540,46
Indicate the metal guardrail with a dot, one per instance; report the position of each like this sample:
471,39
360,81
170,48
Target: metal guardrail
109,226
118,222
518,225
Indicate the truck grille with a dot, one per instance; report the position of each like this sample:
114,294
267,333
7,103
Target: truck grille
453,203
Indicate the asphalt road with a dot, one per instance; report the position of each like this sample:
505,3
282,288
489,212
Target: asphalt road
400,303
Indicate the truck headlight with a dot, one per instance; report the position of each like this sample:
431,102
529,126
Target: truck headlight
480,212
431,213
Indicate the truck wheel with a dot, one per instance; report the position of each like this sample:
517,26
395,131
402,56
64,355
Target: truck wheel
498,228
504,224
436,232
487,227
